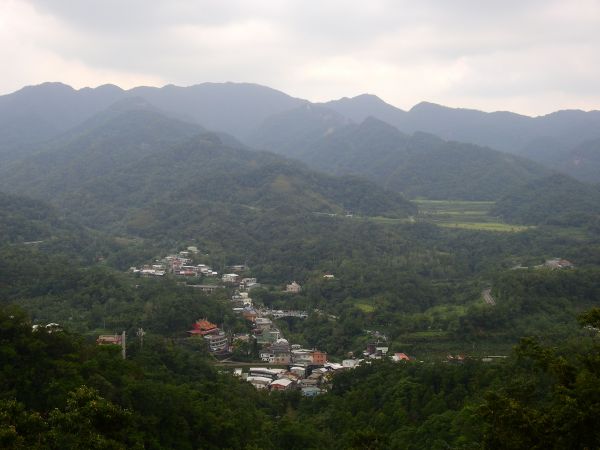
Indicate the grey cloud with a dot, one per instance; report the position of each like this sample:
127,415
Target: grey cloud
317,49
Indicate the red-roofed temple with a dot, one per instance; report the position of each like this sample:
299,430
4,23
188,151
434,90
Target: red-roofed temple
203,327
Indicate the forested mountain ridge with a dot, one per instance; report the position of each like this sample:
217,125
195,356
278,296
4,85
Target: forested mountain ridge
418,165
541,138
131,184
33,227
120,135
35,114
130,157
38,113
204,170
234,108
24,220
553,200
292,132
581,161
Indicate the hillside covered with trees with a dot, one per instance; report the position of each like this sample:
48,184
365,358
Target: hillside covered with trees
487,281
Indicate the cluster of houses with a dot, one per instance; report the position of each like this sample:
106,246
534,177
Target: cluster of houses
307,370
264,331
310,380
281,352
374,351
49,328
552,264
558,263
243,284
179,264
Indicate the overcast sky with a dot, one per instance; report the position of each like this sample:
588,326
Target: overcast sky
526,56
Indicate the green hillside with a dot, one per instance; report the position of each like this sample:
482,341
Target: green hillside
554,200
27,220
204,170
420,165
123,134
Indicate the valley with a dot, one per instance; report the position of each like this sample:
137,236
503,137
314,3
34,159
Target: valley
470,215
357,258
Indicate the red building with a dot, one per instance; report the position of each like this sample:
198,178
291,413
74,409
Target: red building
319,358
250,315
203,327
109,339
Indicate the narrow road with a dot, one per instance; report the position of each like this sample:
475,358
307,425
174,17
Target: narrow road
487,297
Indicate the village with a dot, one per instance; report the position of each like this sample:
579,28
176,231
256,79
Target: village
280,365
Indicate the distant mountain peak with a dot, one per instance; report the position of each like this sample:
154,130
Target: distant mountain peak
105,88
366,98
425,106
362,106
48,87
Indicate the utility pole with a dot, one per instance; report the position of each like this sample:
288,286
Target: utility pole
123,345
141,333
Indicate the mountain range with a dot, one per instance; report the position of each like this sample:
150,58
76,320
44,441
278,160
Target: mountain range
566,140
130,157
112,155
418,165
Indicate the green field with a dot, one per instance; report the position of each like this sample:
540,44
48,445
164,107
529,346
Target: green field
365,307
469,215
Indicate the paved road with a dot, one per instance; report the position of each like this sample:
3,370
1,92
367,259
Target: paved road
487,297
227,363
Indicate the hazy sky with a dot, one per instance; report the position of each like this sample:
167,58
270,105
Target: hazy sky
526,56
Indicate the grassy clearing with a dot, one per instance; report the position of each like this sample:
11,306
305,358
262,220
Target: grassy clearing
382,220
466,215
486,226
579,234
365,307
455,204
428,335
446,310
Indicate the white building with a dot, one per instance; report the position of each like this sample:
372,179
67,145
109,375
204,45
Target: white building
293,287
230,278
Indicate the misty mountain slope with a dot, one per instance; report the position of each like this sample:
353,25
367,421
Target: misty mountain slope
501,130
32,226
23,219
552,200
419,165
126,132
542,138
363,106
39,113
253,113
437,169
234,108
372,148
581,162
291,132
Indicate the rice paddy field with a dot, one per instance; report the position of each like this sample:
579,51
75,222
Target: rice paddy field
469,215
